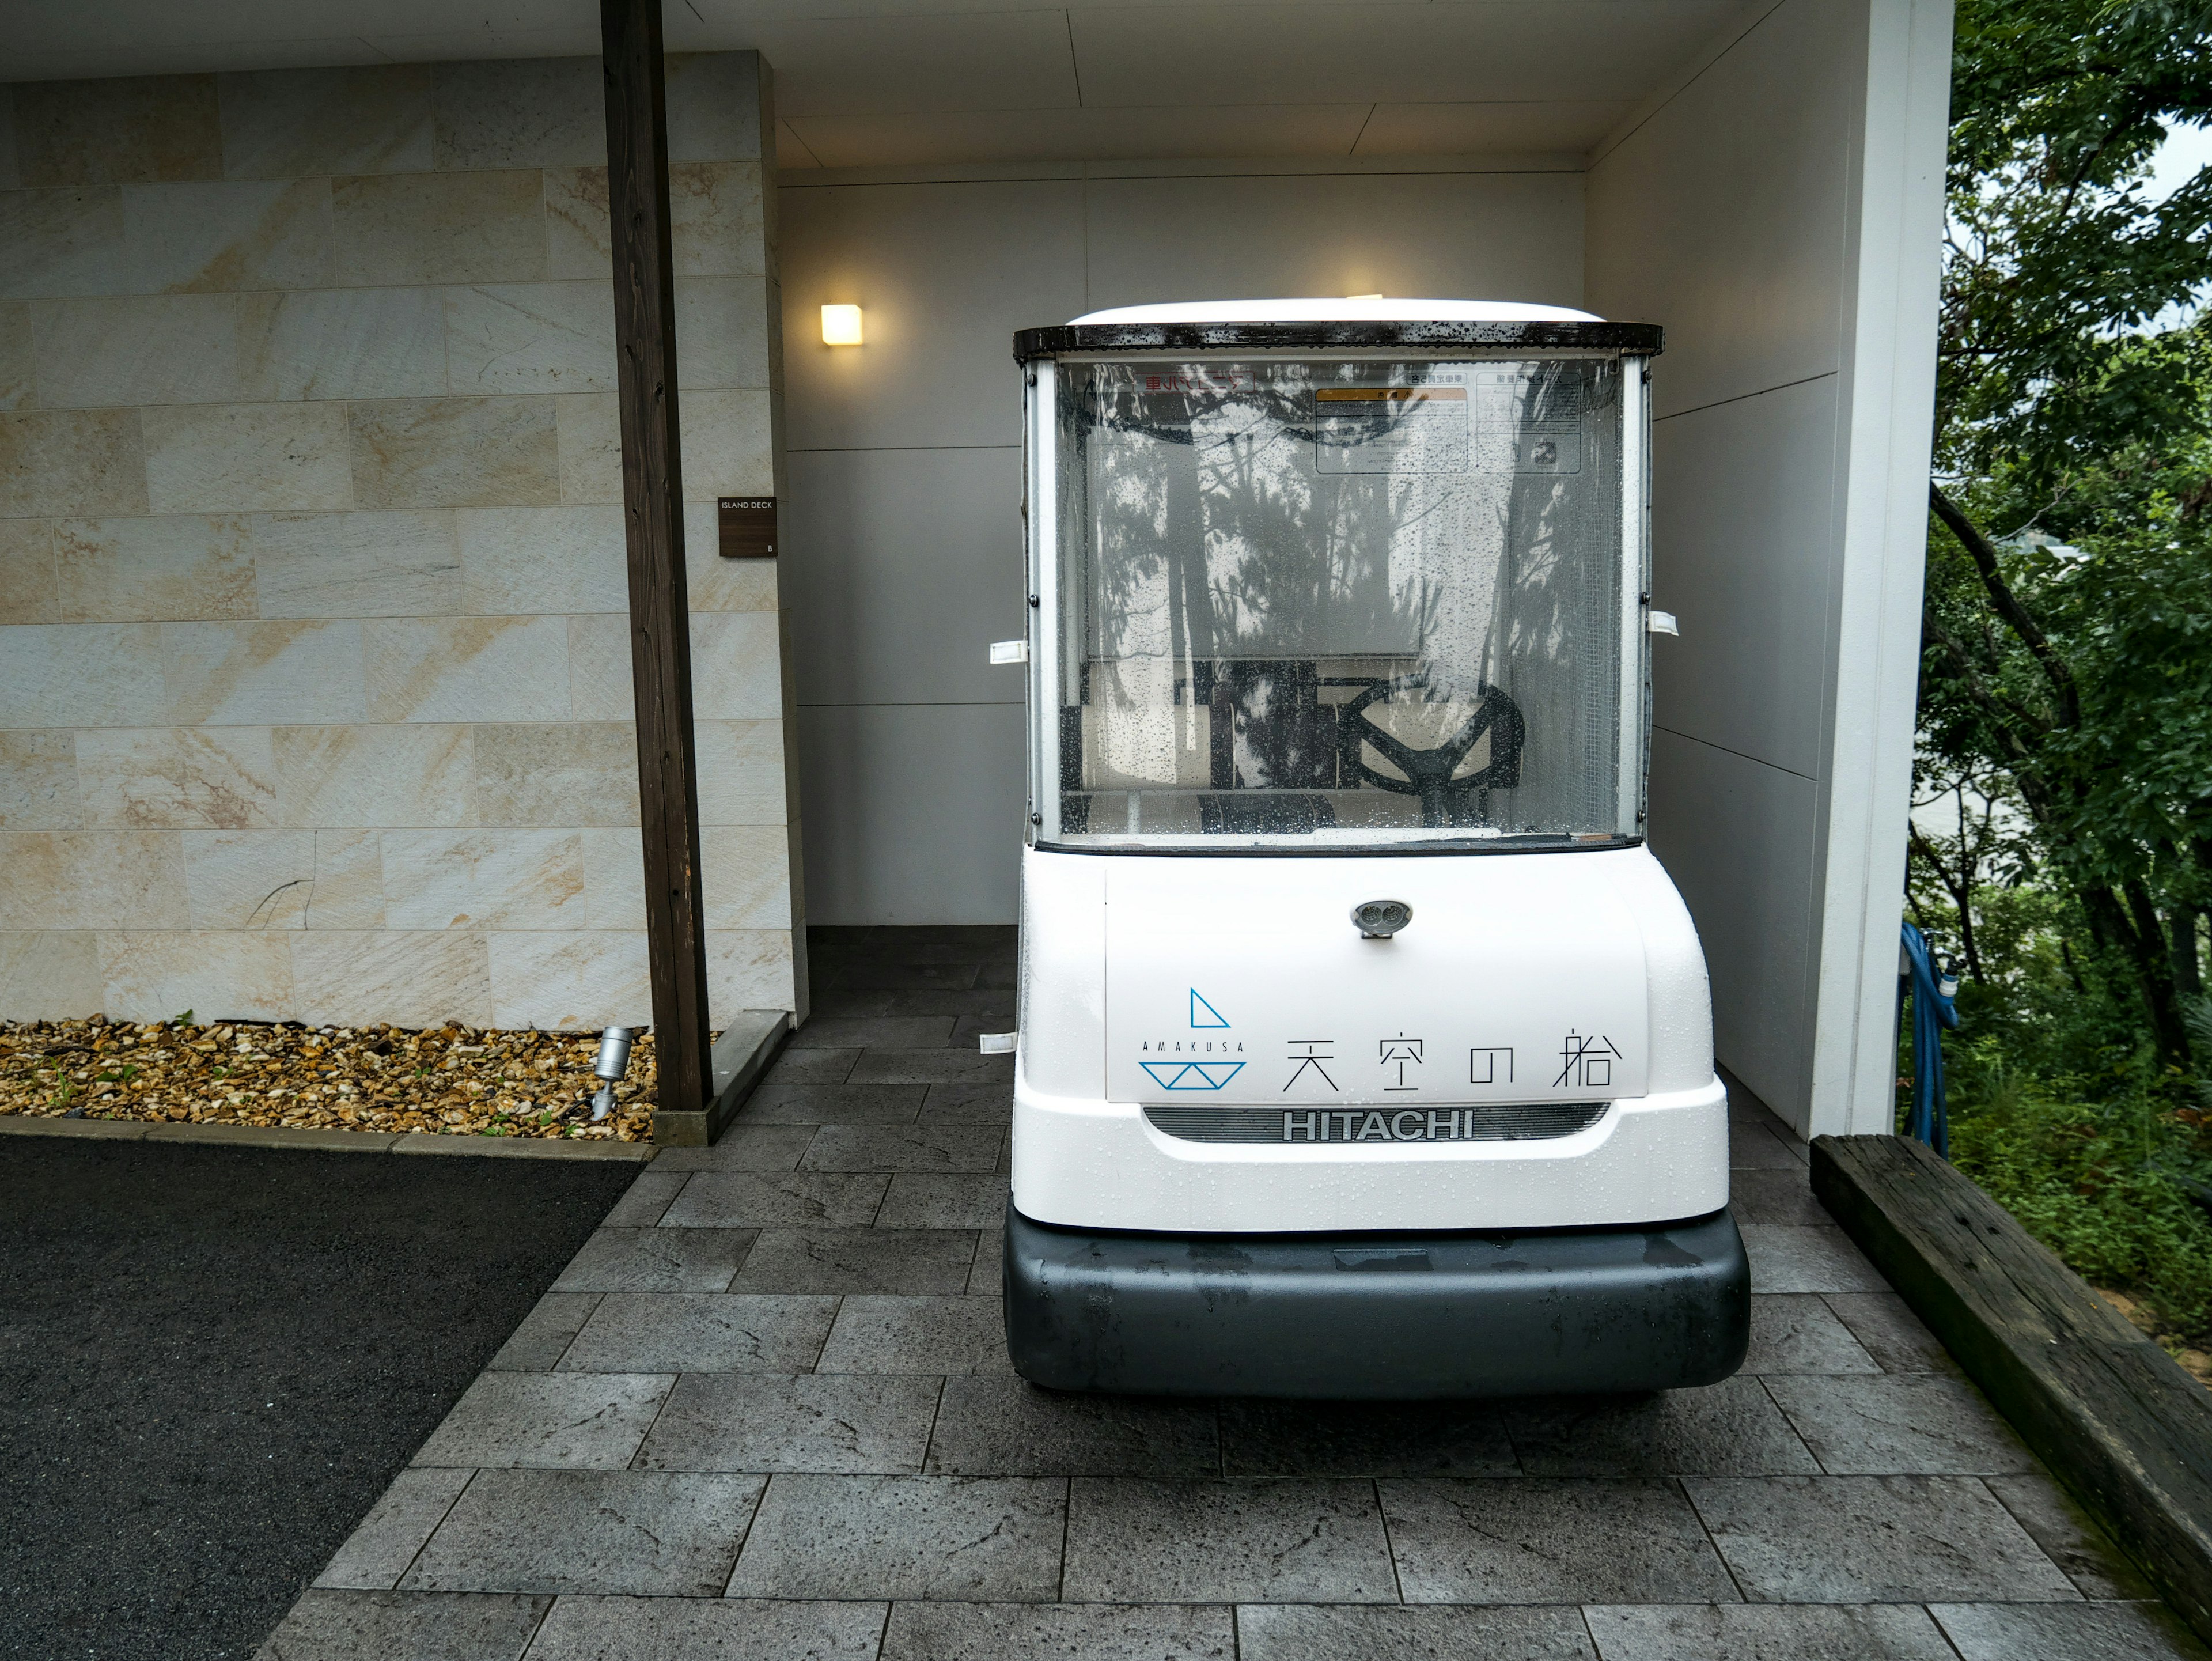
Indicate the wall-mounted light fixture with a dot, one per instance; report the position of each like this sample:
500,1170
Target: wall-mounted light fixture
841,325
1363,296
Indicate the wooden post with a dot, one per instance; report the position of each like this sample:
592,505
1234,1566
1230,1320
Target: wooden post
652,518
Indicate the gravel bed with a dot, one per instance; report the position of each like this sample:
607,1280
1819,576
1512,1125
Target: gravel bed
452,1080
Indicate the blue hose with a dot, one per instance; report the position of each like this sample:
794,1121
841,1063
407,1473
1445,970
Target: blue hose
1932,1012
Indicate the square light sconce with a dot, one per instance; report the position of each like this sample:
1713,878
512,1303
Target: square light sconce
841,325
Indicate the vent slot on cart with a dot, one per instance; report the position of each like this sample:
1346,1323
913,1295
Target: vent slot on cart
1498,1122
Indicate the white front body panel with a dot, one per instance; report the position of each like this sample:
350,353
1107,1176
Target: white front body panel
1209,981
1521,979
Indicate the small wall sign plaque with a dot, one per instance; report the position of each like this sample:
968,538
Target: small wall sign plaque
747,526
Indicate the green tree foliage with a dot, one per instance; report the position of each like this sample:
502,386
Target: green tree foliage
2093,1181
2068,629
2066,685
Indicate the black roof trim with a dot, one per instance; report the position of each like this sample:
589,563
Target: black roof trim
1646,338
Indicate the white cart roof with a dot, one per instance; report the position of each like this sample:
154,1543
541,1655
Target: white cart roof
1327,325
1355,309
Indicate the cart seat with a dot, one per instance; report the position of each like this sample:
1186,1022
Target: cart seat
1244,746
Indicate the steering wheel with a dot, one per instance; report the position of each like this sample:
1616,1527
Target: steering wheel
1444,799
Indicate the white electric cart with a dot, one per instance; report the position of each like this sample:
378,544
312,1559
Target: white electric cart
1365,1050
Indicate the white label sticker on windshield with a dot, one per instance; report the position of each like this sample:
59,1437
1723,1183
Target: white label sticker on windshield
1539,413
1390,429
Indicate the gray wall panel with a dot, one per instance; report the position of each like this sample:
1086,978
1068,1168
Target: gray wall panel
1487,236
944,275
914,812
903,539
900,567
1725,217
1737,837
1744,552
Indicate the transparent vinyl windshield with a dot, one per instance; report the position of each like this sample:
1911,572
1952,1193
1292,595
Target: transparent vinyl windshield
1338,601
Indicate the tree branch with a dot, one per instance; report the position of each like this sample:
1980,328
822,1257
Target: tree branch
2006,709
2139,107
1985,555
1960,897
2147,942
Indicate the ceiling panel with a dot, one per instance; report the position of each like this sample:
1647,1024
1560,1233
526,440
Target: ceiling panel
791,151
462,45
742,14
920,139
888,65
887,81
1491,51
1481,129
106,63
35,26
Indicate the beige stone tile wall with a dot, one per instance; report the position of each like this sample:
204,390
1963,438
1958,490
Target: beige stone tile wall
315,690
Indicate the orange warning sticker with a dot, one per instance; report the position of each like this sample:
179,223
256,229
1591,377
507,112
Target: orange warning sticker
1389,394
1390,429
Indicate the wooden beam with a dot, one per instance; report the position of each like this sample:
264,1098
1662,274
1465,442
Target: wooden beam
653,518
2118,1422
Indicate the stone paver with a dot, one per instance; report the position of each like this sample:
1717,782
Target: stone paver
843,1104
940,1336
1891,1333
969,1538
945,1199
549,1421
967,1104
1922,1425
375,1626
2069,1538
652,1533
1548,1540
859,1032
1873,1539
1733,1429
990,1424
2065,1632
1081,1632
657,1260
1756,1632
829,1260
1309,1632
648,1201
724,1629
745,1199
798,1065
1795,1258
904,1147
748,1147
699,1333
381,1548
1294,1541
1800,1332
848,1425
768,1412
1365,1439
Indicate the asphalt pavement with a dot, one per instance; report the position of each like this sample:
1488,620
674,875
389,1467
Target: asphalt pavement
213,1359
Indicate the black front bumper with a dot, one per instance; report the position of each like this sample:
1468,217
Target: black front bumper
1378,1316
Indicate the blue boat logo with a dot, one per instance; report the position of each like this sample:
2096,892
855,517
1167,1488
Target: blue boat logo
1203,1013
1191,1075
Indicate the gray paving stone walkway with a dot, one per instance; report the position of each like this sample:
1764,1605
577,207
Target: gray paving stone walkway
767,1412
